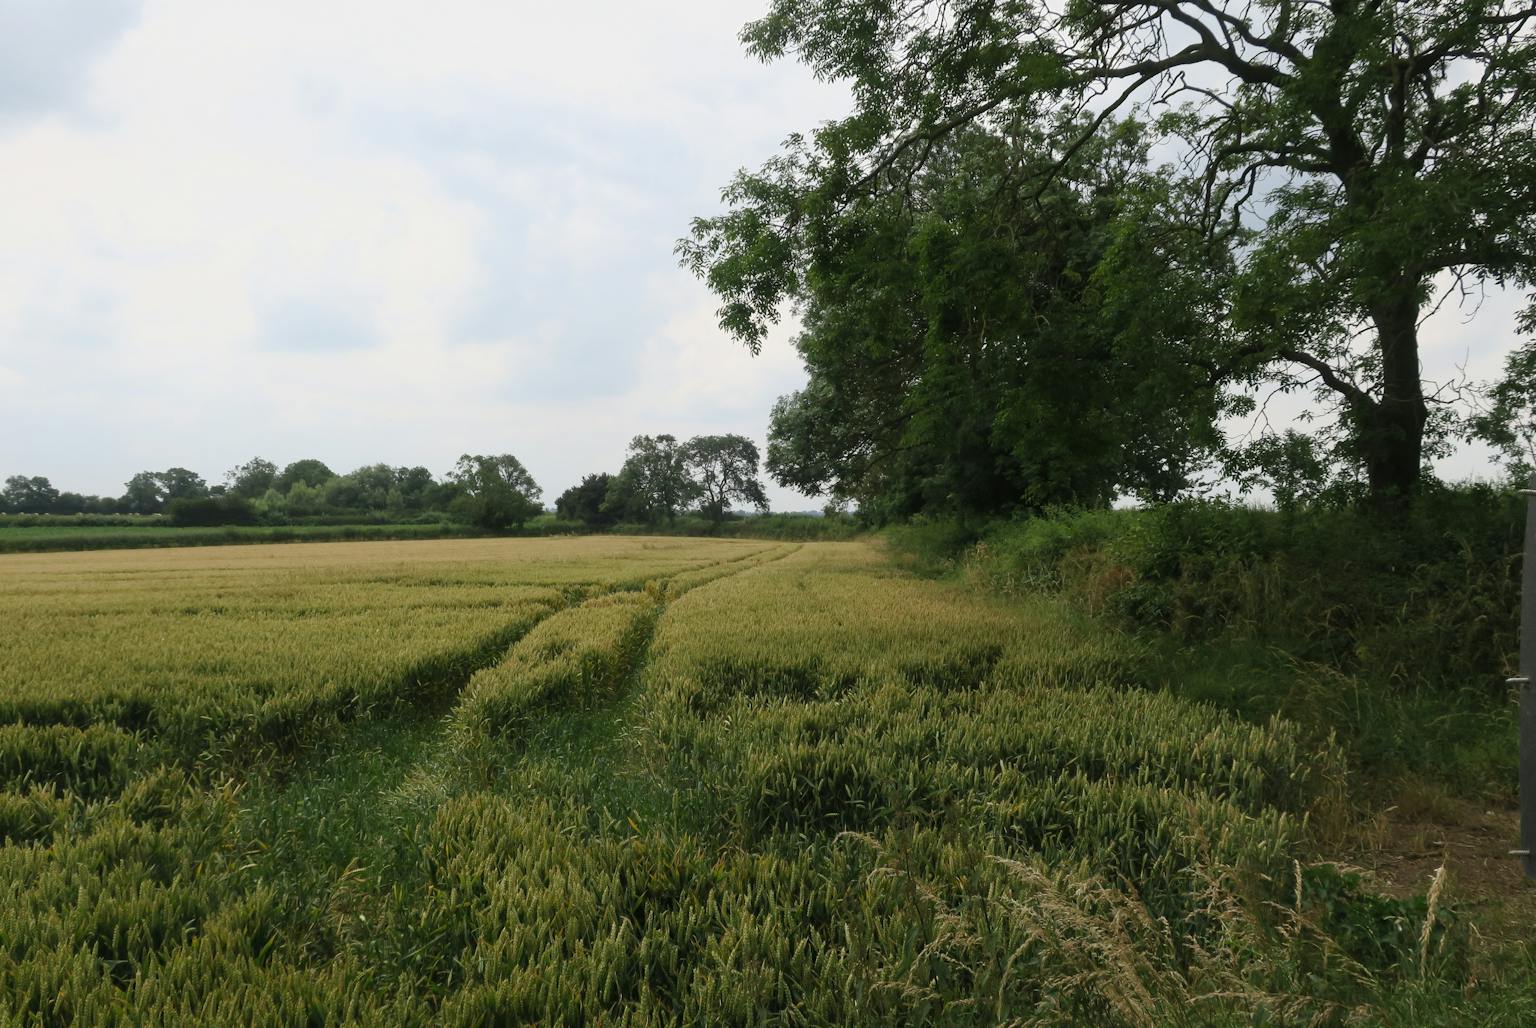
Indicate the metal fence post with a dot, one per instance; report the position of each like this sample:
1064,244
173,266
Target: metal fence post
1527,850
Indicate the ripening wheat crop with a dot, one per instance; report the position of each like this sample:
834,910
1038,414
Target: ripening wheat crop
825,692
192,646
612,780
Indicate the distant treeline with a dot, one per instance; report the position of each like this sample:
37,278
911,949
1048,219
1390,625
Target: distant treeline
664,486
255,491
662,480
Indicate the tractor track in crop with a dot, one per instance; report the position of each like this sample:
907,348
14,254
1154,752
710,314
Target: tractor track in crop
358,796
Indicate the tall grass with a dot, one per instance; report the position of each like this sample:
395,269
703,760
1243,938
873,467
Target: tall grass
1428,600
1396,635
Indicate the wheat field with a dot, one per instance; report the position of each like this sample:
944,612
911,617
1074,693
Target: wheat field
623,781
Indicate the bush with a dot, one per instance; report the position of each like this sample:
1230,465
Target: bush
932,545
1431,599
212,510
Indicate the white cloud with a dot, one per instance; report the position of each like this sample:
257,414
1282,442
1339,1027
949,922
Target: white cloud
47,47
374,230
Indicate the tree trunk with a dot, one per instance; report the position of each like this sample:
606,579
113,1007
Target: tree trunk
1391,430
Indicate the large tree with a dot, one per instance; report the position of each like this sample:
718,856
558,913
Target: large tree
310,471
28,495
181,484
1349,152
376,486
1508,422
724,467
414,487
953,331
586,502
142,495
149,491
497,492
654,484
251,479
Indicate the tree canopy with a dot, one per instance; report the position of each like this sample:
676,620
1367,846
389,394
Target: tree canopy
251,479
654,484
498,492
585,502
309,471
1508,423
1326,164
724,469
310,489
25,494
149,491
954,333
663,477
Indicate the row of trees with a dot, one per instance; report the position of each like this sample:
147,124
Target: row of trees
1053,251
661,478
260,490
302,488
309,487
146,493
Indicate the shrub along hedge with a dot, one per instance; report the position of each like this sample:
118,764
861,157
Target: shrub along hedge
1431,599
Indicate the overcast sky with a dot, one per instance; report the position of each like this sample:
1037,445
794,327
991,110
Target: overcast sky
389,231
367,231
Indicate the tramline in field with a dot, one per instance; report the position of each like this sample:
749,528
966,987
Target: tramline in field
182,644
628,780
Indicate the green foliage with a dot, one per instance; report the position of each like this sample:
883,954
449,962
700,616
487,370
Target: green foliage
654,485
491,493
662,477
1431,599
180,484
1289,465
1396,935
81,520
982,192
1509,421
1396,635
251,479
498,492
26,498
373,484
23,495
931,545
724,470
310,472
788,527
584,503
414,487
211,510
344,492
303,499
141,494
950,333
149,491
